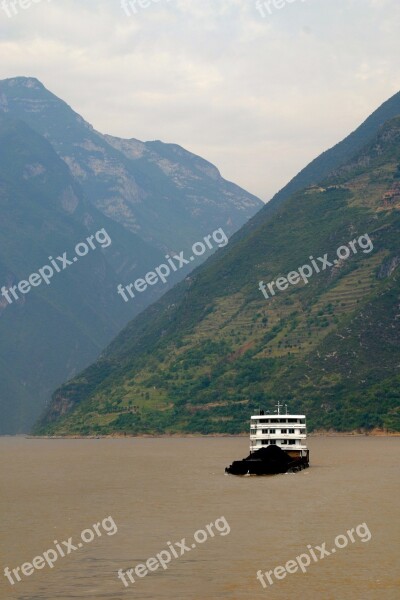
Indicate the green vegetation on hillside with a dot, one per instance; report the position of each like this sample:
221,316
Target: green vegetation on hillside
213,349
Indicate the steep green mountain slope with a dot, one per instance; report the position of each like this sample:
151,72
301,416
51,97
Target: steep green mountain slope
166,195
214,349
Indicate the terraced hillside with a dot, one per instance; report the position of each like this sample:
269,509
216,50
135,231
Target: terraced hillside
214,348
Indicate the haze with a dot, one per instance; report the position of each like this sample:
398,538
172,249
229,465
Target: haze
259,97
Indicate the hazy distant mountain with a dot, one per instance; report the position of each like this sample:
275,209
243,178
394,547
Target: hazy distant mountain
165,194
60,182
214,349
54,330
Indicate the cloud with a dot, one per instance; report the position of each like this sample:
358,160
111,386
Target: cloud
258,97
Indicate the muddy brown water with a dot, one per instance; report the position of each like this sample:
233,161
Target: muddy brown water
163,490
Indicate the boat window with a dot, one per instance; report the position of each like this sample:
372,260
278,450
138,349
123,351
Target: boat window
291,430
292,441
272,430
283,430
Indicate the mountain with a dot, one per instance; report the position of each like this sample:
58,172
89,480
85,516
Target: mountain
333,158
214,349
56,329
60,183
166,195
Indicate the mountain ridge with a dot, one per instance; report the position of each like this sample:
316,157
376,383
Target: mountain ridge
224,350
57,169
331,159
135,189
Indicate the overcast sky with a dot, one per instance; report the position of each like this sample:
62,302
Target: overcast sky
257,96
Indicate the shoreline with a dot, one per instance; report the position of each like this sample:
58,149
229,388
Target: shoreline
119,436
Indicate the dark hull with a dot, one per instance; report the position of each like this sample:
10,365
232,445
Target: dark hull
268,461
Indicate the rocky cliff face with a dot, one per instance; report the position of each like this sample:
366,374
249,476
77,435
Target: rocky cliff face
57,328
161,192
61,181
